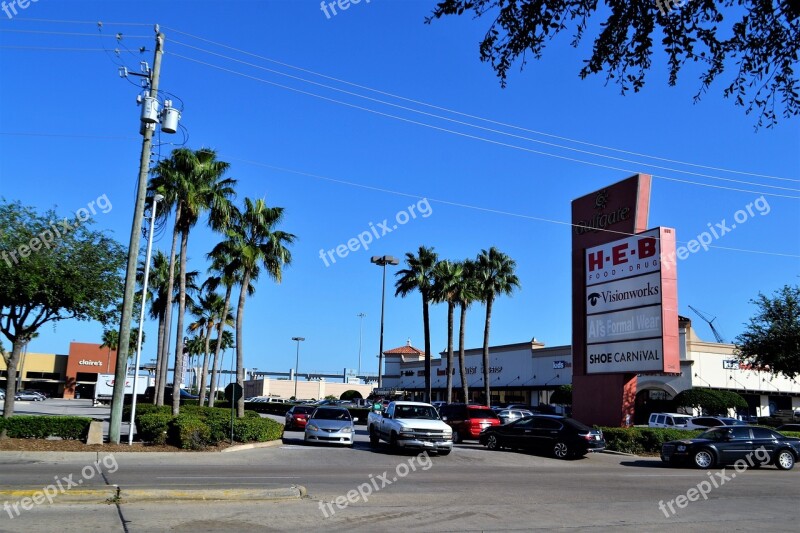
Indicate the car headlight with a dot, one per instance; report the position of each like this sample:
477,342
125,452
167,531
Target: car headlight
347,429
312,427
406,434
681,447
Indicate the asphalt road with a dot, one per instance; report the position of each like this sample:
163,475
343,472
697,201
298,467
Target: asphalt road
472,489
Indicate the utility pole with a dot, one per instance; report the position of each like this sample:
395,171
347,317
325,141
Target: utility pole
118,397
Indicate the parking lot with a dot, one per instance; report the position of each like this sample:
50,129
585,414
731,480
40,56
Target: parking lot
372,489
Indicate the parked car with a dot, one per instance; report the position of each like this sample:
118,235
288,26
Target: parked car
333,425
669,420
728,444
2,394
702,422
28,396
563,437
509,415
410,426
297,416
468,421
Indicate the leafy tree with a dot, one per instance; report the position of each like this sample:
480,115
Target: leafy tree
494,271
50,274
446,276
772,338
253,238
562,395
710,400
759,39
419,277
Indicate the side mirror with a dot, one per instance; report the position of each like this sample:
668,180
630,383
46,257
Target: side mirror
444,419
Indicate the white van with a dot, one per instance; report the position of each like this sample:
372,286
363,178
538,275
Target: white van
669,420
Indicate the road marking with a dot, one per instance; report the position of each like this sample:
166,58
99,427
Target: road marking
237,477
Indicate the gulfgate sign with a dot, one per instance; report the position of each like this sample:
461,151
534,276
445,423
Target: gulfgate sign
622,259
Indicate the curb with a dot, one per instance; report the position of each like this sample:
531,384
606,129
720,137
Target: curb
614,452
109,495
253,445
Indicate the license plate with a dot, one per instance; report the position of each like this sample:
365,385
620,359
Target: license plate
428,444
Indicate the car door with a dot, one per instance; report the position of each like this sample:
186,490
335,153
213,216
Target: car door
517,434
765,442
546,432
737,445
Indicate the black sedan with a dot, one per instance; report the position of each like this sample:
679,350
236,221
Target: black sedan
563,437
755,446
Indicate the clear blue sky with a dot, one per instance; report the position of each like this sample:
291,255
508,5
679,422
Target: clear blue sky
481,194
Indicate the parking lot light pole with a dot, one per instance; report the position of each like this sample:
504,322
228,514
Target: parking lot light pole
297,363
382,261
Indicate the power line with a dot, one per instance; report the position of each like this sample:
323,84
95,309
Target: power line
467,135
400,193
547,143
418,102
26,19
74,34
52,48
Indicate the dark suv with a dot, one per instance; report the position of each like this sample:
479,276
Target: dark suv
468,421
563,437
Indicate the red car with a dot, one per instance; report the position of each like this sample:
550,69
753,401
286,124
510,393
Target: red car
468,421
297,416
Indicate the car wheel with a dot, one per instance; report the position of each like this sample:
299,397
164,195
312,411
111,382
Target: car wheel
393,441
784,460
493,443
704,459
456,437
373,437
561,450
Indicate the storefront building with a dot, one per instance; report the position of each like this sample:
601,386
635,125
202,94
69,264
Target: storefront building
529,372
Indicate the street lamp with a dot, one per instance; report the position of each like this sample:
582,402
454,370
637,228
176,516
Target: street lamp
360,330
383,261
157,198
297,363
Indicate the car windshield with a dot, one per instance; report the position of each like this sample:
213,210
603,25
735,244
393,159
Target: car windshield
303,410
420,412
332,414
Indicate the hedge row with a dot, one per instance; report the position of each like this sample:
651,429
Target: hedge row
197,427
42,427
643,440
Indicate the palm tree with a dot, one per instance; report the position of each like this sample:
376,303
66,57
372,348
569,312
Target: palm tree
465,293
158,285
225,341
447,276
227,270
495,274
111,341
252,237
210,314
192,181
193,347
419,277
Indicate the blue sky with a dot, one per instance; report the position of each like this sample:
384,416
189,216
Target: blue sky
353,167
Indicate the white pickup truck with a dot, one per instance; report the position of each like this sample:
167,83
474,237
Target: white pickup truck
411,425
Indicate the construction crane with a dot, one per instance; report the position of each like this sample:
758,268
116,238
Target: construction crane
710,323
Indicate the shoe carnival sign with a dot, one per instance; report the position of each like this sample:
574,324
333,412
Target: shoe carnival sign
630,305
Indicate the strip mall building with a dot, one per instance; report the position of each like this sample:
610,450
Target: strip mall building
71,375
529,372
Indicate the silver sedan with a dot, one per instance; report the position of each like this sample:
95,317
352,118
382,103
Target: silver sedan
332,425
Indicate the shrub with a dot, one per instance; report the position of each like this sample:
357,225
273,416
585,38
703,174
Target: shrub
153,427
190,432
41,427
256,430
